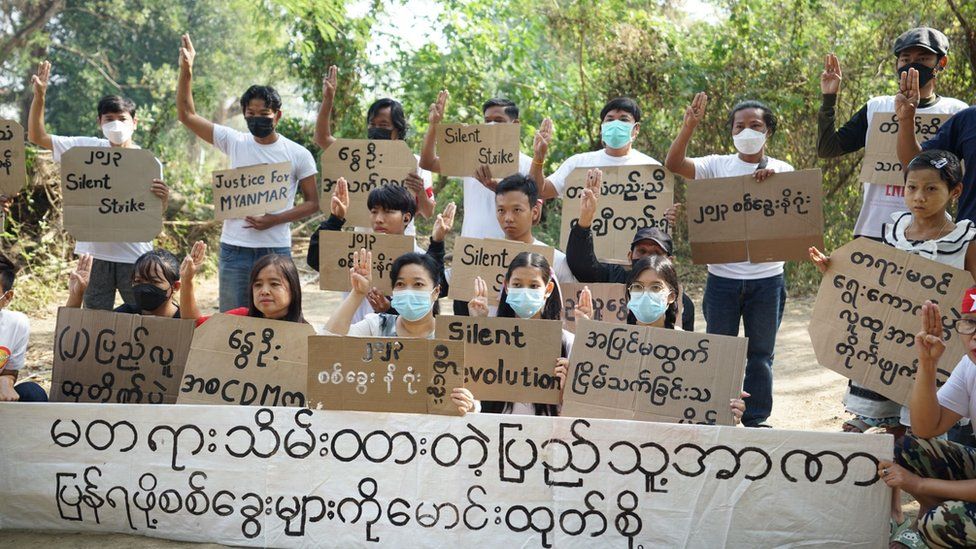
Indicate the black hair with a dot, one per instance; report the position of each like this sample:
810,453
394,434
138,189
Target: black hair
392,198
553,308
520,183
396,114
768,117
665,269
625,104
265,93
944,162
287,268
511,109
145,267
428,263
8,271
112,104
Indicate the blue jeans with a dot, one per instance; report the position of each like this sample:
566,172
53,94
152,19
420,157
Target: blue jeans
235,272
759,304
28,391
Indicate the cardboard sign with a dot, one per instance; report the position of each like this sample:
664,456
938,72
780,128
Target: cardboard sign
384,374
101,356
881,165
653,374
489,259
366,165
735,219
464,148
609,303
864,322
270,477
253,190
336,249
13,162
631,198
507,359
107,194
247,361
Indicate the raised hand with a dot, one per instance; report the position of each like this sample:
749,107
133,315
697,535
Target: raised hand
483,175
906,101
340,198
40,79
584,305
378,301
478,306
444,223
543,136
831,76
590,197
361,273
820,260
414,183
193,261
330,82
929,339
696,111
187,53
437,108
78,279
671,214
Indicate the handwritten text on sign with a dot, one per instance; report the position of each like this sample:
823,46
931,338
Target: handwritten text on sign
653,374
13,163
463,149
336,249
108,194
366,165
489,259
383,374
735,219
101,356
302,478
253,190
609,302
247,361
880,165
865,319
631,198
507,359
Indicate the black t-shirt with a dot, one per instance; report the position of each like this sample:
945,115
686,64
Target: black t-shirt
126,308
958,136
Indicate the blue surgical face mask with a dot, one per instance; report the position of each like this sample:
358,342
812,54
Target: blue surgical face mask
648,307
616,134
526,302
412,304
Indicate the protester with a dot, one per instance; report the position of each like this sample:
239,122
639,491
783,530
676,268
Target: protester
244,241
14,334
112,262
529,292
753,293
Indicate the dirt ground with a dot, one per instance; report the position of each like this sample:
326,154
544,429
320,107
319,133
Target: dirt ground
806,395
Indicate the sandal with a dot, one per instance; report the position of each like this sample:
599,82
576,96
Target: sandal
910,538
855,425
895,528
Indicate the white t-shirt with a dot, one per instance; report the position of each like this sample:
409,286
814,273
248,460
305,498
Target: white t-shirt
730,165
564,274
596,159
118,252
14,333
480,220
880,201
957,393
242,150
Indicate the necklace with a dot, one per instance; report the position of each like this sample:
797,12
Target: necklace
938,233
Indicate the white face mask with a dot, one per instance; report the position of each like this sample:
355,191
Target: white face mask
749,141
117,131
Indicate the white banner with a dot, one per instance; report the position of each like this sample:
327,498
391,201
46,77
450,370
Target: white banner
290,477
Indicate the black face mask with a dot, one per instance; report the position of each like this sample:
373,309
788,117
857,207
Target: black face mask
925,73
260,126
379,133
149,297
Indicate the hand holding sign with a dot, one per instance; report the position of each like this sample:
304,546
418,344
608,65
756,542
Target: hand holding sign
906,101
696,111
831,76
340,199
929,339
478,306
763,174
361,273
444,223
463,399
330,82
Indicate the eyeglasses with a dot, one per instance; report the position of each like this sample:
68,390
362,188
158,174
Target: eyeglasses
655,288
964,326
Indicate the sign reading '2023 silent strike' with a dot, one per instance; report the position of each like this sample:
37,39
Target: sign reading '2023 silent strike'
108,196
489,259
336,249
252,190
464,148
13,163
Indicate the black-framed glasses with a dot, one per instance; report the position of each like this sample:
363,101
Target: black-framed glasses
964,326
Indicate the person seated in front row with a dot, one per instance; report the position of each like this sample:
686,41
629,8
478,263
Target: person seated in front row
14,334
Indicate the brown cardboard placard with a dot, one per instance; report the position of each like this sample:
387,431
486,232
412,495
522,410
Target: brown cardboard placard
336,249
101,356
631,198
366,164
653,374
735,219
384,374
13,161
880,164
463,148
609,302
251,190
489,259
107,194
507,359
247,361
864,321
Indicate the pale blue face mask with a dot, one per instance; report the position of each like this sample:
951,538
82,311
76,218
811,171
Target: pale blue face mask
648,307
616,134
526,302
412,305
